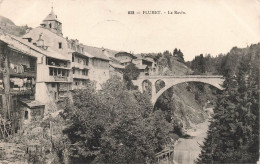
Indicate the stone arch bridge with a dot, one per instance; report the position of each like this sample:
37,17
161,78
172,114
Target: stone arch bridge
170,81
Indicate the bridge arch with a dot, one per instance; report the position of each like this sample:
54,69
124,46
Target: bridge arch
159,84
146,85
169,85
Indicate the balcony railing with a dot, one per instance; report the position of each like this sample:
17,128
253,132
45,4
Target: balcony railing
59,79
21,91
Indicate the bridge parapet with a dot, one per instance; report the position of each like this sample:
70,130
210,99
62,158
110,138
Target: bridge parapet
185,76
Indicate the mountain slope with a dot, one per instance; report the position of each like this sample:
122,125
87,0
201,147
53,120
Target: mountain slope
8,26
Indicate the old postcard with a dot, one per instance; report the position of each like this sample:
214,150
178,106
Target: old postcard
129,82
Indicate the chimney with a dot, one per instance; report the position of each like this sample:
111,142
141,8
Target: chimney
40,41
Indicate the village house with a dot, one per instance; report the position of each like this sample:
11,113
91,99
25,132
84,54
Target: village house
125,58
144,65
116,68
80,64
99,65
54,73
154,60
18,84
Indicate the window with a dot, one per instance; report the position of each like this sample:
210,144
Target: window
51,72
73,71
50,25
87,61
26,113
72,58
53,85
55,72
60,45
55,96
63,73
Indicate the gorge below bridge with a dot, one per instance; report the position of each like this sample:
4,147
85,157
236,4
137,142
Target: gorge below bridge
169,81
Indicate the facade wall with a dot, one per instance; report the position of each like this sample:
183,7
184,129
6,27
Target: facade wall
137,61
53,26
99,72
42,93
115,72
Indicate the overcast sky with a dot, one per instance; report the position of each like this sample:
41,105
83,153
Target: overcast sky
209,26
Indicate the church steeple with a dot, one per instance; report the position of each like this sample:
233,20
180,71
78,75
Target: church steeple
52,23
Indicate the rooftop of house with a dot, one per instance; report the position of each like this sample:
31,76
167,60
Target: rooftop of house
21,45
32,103
125,54
50,36
145,59
115,65
95,52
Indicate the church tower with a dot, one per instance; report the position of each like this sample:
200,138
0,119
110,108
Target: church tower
52,23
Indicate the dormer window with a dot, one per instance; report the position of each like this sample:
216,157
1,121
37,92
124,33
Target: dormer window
60,45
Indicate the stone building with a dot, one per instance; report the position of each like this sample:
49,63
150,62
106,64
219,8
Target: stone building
80,64
54,72
99,65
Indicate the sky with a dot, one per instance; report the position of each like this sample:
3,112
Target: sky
207,27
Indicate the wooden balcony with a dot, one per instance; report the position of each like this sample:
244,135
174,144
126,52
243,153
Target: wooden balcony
26,73
77,76
79,65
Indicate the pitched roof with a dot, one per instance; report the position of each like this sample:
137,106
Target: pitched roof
51,36
125,54
95,52
21,45
32,103
51,16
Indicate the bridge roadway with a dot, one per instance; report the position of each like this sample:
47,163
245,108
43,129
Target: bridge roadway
143,81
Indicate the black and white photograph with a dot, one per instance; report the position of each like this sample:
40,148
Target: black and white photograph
129,82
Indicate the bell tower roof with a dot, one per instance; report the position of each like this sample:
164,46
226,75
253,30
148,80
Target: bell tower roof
51,17
52,23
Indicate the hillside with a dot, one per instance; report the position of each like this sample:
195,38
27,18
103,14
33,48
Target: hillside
184,104
8,26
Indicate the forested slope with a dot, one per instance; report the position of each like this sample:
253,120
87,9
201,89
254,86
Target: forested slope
233,135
